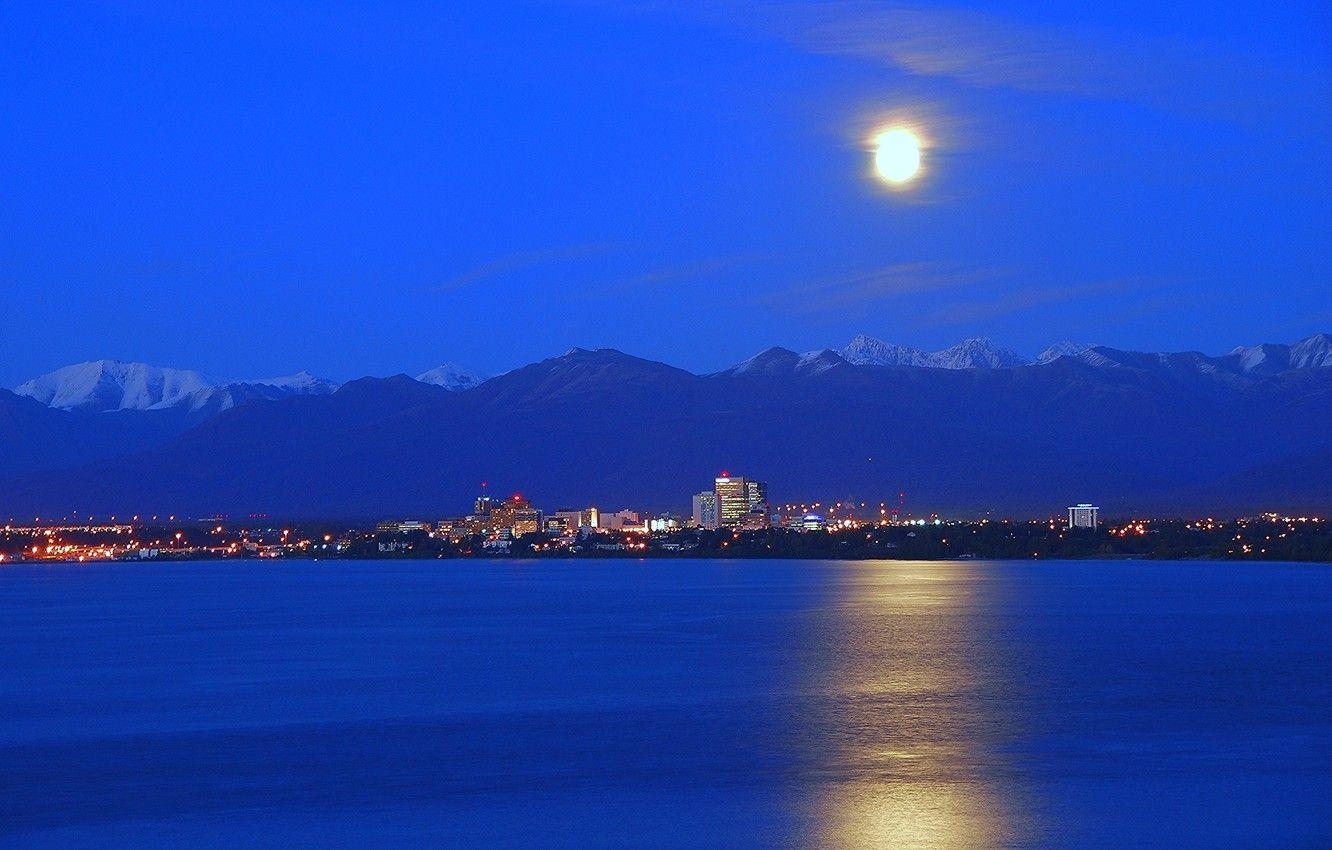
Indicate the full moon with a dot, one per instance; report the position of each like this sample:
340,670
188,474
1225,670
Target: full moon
897,155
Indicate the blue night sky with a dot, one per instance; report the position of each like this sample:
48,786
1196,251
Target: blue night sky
252,189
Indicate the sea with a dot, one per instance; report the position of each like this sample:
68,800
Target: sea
666,703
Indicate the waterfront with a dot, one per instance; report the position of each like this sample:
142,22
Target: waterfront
666,703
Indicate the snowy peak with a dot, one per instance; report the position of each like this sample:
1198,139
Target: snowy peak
783,361
1259,359
1063,349
816,362
452,377
113,385
770,361
1312,353
302,383
103,385
868,351
975,353
1242,363
1315,352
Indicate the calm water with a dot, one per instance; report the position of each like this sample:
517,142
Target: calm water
666,704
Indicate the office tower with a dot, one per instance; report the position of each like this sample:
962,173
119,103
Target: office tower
1084,516
705,510
732,500
516,515
737,497
757,494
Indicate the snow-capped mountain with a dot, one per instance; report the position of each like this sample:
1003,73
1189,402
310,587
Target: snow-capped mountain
1066,348
775,360
975,353
817,362
113,385
1315,352
782,361
979,353
302,383
1241,364
106,385
103,385
452,377
868,351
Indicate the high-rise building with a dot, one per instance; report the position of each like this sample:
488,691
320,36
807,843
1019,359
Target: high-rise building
738,497
705,510
757,493
516,515
732,501
1084,516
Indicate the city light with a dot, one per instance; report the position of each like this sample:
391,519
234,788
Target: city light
734,517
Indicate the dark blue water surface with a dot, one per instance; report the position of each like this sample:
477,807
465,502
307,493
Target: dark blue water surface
666,704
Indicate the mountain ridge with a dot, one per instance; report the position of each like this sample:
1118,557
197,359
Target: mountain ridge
113,385
109,385
600,426
973,353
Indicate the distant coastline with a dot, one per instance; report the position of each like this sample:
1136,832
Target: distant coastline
1263,538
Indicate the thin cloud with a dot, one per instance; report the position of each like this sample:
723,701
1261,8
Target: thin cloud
521,261
1022,300
958,294
835,294
667,275
983,50
689,271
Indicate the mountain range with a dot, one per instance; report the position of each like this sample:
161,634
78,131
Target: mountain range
977,353
104,385
970,429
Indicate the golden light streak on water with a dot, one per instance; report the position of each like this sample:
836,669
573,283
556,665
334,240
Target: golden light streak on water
908,749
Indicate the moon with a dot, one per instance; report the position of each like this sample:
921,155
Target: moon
897,155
